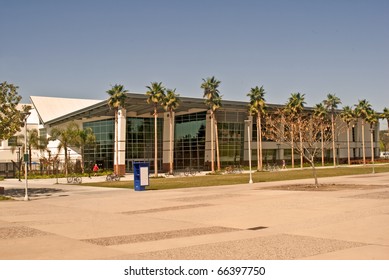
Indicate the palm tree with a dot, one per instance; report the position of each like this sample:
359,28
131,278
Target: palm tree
372,119
171,102
155,95
348,117
385,115
35,142
320,113
86,138
117,98
331,103
295,107
362,110
67,137
213,101
216,105
257,106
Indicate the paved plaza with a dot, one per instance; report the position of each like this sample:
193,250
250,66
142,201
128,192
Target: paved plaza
245,221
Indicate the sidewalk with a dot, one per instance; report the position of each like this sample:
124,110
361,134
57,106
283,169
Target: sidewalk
223,222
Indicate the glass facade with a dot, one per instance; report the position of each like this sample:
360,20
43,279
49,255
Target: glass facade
231,137
189,140
102,152
140,141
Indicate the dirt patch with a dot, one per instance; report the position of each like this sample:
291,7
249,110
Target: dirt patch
323,187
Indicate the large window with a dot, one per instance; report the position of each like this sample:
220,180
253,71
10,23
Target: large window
140,141
189,148
231,137
102,152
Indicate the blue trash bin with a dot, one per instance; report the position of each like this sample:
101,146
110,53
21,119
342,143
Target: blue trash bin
141,175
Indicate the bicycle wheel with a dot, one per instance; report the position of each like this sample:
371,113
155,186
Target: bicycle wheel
187,171
108,178
78,180
117,178
69,179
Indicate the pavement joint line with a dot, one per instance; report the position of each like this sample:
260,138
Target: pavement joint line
154,236
170,208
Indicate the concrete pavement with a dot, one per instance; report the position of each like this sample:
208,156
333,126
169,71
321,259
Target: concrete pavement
244,221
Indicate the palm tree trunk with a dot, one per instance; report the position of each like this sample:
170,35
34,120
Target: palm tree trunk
372,148
212,145
333,139
259,141
292,144
116,165
322,146
217,146
30,156
66,160
155,144
301,146
171,142
363,142
348,145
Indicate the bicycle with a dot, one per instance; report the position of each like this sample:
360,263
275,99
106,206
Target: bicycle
234,169
74,179
112,177
174,173
190,171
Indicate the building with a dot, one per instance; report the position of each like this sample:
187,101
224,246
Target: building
191,133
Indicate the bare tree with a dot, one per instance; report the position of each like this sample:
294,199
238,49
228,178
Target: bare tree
279,128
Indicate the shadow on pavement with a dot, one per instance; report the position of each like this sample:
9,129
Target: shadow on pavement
33,192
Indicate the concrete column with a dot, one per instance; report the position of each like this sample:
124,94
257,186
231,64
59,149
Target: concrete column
120,166
253,144
166,141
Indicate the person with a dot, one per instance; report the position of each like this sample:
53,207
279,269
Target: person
283,164
95,169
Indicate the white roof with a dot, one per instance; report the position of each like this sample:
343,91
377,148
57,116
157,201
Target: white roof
50,108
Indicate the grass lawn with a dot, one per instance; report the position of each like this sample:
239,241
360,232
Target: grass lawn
4,198
231,179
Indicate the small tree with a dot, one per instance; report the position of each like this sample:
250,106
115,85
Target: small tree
278,125
11,118
294,111
86,138
35,141
320,113
67,137
348,116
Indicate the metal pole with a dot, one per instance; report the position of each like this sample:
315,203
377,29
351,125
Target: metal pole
248,122
26,198
19,163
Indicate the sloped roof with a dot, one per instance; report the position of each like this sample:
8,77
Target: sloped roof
49,108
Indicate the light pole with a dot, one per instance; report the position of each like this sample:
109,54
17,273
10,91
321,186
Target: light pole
19,163
26,115
248,122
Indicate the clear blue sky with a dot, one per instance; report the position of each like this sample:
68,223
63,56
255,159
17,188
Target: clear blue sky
81,48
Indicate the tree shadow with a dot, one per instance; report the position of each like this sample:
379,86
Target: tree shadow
33,192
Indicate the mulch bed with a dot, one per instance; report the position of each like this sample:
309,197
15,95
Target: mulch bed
324,187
